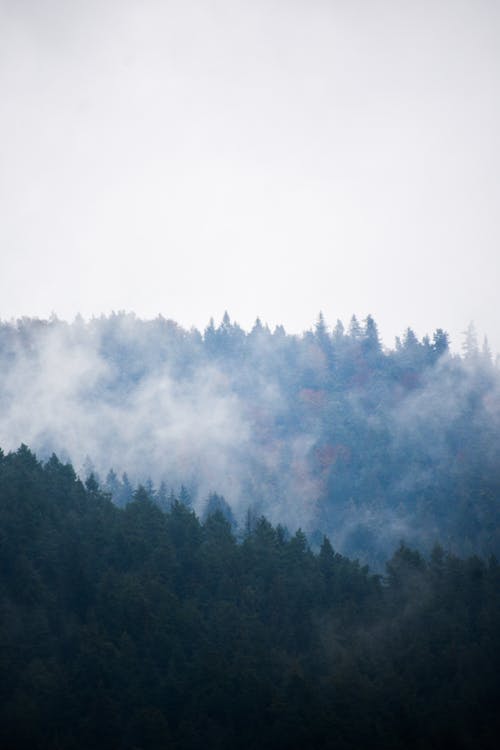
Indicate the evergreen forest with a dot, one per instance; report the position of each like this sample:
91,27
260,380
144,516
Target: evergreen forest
139,627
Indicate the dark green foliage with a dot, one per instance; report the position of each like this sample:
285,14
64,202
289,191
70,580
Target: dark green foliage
217,504
138,628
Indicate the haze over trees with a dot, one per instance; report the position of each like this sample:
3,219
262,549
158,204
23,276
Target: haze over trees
138,628
328,431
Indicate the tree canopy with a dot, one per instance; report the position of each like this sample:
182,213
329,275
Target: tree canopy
137,627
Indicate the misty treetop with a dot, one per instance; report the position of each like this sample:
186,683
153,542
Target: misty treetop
328,430
137,628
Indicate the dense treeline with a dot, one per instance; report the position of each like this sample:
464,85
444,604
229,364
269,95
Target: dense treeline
138,628
328,431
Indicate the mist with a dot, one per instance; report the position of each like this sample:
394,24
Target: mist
189,157
325,431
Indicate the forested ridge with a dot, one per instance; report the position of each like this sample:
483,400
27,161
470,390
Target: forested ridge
139,627
329,430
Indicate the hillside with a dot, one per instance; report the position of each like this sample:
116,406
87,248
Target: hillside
136,628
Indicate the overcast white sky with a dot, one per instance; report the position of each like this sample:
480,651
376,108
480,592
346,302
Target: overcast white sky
271,158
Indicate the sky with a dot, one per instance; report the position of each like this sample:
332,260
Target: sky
269,158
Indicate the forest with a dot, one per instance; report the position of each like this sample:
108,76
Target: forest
139,627
328,431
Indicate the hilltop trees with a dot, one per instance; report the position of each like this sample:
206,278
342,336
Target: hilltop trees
329,429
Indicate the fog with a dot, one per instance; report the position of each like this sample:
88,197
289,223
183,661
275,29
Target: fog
325,431
190,157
